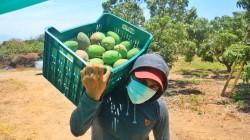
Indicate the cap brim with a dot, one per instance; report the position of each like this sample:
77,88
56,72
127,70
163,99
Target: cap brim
149,75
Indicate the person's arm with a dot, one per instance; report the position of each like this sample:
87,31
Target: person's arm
94,82
83,116
161,129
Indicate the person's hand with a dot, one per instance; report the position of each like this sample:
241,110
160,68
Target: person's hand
94,80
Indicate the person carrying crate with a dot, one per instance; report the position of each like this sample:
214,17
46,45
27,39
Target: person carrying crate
131,110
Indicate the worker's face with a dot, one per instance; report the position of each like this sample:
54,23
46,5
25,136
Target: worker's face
141,90
151,84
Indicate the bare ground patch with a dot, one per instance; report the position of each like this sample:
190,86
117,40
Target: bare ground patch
32,109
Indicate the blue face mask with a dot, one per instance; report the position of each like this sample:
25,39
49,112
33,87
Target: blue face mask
138,92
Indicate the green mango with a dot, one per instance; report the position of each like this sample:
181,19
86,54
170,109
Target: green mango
82,54
121,49
83,40
107,66
109,57
115,36
132,52
95,51
73,45
119,62
127,44
108,43
97,37
96,61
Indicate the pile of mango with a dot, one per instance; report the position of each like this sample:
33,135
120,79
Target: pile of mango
107,49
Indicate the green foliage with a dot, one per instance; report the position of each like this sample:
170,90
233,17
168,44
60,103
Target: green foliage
235,24
245,4
190,15
199,30
196,64
129,10
241,93
189,51
168,23
214,47
247,52
13,47
238,25
221,41
169,37
236,53
176,9
205,52
177,30
246,73
214,38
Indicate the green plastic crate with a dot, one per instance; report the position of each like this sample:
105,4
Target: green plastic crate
61,66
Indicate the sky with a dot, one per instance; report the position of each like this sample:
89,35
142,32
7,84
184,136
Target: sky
30,22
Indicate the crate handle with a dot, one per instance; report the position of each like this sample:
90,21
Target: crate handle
128,29
66,56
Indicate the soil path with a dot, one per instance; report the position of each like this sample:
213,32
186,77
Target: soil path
32,109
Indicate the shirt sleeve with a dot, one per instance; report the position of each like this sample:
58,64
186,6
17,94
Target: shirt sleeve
83,116
161,129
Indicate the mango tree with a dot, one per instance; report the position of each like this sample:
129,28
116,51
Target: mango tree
245,4
168,23
176,9
199,30
246,73
223,32
240,55
215,46
170,38
129,10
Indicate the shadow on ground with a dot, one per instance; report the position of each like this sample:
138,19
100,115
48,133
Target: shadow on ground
184,87
242,97
205,73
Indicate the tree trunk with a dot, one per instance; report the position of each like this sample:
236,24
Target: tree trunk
237,78
241,65
228,79
228,68
227,64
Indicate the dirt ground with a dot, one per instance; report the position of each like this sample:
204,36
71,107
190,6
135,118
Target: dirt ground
32,109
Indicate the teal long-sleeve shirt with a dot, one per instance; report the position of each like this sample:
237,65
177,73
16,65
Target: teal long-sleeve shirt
116,118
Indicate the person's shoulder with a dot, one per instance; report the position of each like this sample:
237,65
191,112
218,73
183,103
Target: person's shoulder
162,107
161,103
